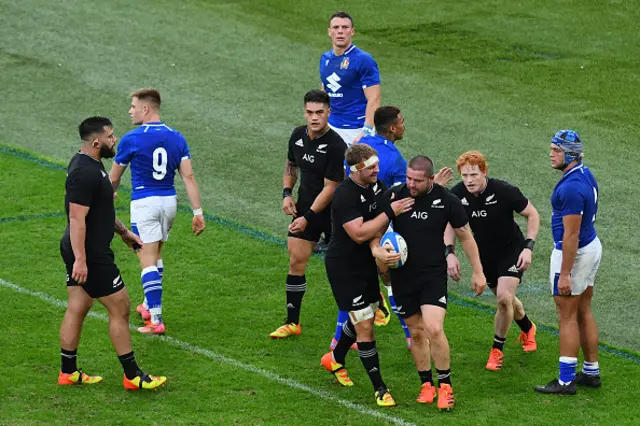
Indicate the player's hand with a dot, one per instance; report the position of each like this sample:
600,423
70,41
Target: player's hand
80,271
386,255
478,283
115,195
132,240
298,225
453,267
289,206
402,206
564,285
444,176
197,224
524,260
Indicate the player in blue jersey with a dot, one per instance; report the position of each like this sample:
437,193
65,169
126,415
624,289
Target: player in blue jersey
350,76
574,264
155,152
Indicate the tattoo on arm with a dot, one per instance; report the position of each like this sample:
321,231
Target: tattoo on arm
290,168
120,228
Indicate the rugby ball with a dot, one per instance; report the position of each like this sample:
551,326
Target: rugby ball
399,245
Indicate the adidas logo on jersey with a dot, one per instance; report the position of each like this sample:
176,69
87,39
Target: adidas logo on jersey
299,142
443,299
489,200
436,204
513,269
322,148
464,202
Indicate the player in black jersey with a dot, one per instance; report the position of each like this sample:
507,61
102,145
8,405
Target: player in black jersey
85,249
317,153
359,213
504,252
420,285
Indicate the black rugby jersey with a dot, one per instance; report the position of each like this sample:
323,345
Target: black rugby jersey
423,229
491,214
351,201
88,184
318,159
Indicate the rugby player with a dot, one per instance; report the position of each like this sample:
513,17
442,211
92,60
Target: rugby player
86,250
155,152
504,252
420,285
317,153
574,263
351,78
359,214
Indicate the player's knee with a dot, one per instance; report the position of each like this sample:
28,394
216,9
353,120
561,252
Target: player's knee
434,330
297,264
505,301
419,335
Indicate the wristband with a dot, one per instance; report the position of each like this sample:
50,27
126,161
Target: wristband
367,130
449,249
390,213
197,212
287,192
529,243
310,215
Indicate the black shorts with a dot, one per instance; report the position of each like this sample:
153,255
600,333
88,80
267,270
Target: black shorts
313,231
430,290
502,264
103,278
354,288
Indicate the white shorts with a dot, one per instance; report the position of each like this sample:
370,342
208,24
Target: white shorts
584,269
347,135
152,217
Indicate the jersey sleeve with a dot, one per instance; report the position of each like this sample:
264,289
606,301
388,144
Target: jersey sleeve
572,200
345,206
368,70
125,151
81,185
185,153
457,216
334,169
398,173
516,198
292,140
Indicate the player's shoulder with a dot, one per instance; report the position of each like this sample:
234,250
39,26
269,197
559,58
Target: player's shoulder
326,55
334,139
298,132
360,53
397,191
499,184
445,194
458,189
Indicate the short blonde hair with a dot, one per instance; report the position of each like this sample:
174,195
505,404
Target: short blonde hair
148,95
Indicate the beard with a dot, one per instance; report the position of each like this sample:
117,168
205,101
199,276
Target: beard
106,152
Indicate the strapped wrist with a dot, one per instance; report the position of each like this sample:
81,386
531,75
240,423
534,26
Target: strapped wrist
449,249
367,130
310,215
390,213
529,243
197,212
287,192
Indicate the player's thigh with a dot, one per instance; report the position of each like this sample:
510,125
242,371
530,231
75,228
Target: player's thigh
168,211
349,286
585,301
407,302
313,230
149,254
586,265
103,279
78,300
490,268
146,219
118,303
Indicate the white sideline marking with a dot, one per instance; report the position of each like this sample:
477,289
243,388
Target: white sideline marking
221,358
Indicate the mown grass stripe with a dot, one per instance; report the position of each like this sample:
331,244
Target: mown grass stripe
262,236
294,384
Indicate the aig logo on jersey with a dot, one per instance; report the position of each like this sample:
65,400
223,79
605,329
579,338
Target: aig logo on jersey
419,215
437,204
479,213
309,158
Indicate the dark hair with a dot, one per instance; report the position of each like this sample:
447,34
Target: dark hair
149,95
341,14
93,125
384,117
359,152
317,96
422,163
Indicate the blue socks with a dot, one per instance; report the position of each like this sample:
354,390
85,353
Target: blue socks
343,317
152,286
568,366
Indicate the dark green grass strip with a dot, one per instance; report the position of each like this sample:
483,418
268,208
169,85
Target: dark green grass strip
262,236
